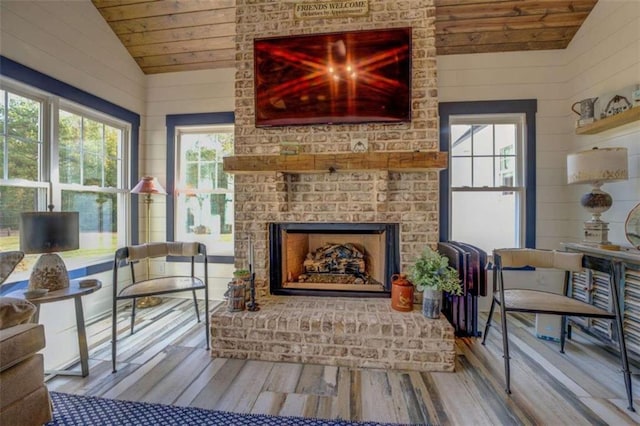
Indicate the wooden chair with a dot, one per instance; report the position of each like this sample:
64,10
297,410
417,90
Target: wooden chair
543,302
159,285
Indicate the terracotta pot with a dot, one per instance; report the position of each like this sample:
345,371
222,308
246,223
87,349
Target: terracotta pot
401,293
431,303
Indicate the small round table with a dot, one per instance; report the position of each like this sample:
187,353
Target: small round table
75,291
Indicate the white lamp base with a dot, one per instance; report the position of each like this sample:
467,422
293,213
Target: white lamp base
596,233
49,272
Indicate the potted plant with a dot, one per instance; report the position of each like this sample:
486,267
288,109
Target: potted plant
241,274
432,274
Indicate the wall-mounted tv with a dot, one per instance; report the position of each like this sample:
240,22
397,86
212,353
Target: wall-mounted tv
336,78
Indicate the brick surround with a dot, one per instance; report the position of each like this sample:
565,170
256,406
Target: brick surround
410,199
334,331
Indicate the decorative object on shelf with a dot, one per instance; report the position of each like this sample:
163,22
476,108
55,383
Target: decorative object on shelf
619,98
401,293
432,274
608,123
587,108
47,233
616,105
596,167
632,227
148,185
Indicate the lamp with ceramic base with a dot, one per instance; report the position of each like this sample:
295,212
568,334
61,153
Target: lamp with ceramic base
597,166
48,233
148,186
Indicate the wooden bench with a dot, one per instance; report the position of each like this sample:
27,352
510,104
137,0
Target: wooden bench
160,285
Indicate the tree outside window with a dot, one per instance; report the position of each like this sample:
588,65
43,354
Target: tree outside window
204,205
79,170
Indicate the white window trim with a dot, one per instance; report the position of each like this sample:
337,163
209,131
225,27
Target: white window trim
519,119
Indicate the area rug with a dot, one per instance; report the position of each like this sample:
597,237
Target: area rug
77,410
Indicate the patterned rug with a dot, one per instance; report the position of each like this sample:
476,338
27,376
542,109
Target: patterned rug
79,410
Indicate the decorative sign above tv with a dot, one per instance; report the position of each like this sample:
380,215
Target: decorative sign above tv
331,9
334,78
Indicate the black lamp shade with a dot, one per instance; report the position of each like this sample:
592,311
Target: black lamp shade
49,232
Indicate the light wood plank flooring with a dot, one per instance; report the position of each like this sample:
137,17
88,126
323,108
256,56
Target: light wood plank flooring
165,362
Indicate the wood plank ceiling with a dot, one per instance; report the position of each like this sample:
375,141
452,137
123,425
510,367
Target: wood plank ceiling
182,35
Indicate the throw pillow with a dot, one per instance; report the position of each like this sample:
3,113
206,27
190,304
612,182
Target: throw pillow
15,311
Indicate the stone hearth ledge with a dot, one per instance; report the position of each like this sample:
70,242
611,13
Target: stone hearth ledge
337,331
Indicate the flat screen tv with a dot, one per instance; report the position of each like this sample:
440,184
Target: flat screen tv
335,78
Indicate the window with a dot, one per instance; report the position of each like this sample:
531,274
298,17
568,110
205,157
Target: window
488,192
203,208
55,151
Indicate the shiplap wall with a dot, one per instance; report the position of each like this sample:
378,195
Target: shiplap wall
181,93
603,56
71,42
522,75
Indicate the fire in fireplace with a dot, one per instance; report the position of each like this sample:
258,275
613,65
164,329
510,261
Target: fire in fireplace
333,259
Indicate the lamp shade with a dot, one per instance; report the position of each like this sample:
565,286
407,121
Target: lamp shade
49,232
148,185
597,165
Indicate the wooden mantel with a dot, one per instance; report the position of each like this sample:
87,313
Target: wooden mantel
317,163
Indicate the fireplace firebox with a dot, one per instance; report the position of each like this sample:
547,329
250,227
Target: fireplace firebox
333,259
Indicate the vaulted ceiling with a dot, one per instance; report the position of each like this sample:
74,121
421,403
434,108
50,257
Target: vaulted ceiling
181,35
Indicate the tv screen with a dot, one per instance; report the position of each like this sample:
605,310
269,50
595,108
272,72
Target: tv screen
346,77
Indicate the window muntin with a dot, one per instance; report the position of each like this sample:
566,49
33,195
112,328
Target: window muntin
52,148
486,178
204,209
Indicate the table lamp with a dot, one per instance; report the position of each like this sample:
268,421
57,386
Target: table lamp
47,233
596,167
148,185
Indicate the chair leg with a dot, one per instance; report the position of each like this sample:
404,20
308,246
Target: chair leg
563,332
195,305
488,324
206,317
625,363
505,346
615,279
114,321
133,314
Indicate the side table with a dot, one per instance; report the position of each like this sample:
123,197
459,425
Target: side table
75,292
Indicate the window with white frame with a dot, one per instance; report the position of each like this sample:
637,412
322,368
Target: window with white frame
487,189
204,192
53,151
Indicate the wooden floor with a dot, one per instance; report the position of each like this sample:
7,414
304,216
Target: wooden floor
166,362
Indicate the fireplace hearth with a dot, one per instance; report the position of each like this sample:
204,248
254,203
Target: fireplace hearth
333,259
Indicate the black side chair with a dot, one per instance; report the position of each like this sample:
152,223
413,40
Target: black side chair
160,285
543,302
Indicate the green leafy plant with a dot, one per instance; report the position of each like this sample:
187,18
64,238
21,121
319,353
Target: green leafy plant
432,270
238,273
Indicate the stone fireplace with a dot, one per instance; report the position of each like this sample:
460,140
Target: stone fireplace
333,259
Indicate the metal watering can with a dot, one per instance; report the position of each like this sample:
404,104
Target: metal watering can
587,108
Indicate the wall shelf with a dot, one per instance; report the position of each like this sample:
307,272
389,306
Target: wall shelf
607,123
319,163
